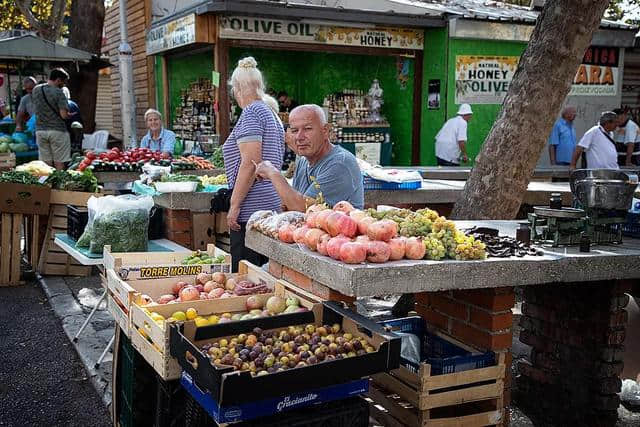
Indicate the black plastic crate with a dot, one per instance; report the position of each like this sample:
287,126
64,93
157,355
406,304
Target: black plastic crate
170,403
77,218
228,387
135,392
353,412
444,357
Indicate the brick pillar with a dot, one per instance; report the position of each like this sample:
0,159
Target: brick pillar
480,318
576,333
298,279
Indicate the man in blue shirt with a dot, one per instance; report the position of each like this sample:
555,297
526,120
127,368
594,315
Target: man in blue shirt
158,138
562,141
321,166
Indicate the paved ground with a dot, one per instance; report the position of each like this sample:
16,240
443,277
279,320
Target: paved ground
42,379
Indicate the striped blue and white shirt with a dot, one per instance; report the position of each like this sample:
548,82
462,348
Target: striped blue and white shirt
256,123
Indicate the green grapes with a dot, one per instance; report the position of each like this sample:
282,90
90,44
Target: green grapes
435,248
470,248
415,225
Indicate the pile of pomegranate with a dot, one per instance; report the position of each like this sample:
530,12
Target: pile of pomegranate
351,236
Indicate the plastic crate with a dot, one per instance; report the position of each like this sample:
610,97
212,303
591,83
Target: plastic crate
375,184
632,227
77,218
351,412
156,225
444,357
135,386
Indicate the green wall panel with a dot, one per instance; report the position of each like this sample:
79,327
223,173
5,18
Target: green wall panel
309,76
157,65
434,68
483,114
184,70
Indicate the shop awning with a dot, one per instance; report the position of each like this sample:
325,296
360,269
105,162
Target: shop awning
32,48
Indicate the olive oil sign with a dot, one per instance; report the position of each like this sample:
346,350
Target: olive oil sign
483,79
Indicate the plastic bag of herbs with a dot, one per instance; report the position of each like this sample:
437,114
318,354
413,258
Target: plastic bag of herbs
119,221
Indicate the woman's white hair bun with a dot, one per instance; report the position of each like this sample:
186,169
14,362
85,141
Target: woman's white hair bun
248,62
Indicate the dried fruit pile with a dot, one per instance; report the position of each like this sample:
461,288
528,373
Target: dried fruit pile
266,352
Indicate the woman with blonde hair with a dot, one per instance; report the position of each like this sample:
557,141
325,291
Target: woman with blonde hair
257,136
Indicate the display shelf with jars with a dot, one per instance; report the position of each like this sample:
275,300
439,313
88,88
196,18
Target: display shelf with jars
195,117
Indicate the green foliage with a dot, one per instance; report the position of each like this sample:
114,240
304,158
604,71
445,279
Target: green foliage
63,180
11,17
125,231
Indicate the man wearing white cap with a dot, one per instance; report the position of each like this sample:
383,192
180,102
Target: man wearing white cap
452,138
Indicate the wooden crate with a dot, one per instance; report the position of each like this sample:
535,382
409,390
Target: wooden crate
437,400
153,338
203,230
221,223
53,260
147,265
10,254
119,312
25,199
7,161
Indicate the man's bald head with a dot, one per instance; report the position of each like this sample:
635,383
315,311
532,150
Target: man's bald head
28,83
309,132
313,109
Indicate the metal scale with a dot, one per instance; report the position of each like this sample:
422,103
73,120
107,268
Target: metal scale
604,196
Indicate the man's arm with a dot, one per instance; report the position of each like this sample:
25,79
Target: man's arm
20,118
630,146
64,113
463,150
552,154
576,156
289,196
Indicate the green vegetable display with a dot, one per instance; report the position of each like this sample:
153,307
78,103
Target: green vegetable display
19,178
183,178
125,231
216,157
202,258
63,180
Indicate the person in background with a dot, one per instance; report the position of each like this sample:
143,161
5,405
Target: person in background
158,138
335,171
26,109
451,141
626,138
74,117
287,104
52,109
257,136
562,141
599,145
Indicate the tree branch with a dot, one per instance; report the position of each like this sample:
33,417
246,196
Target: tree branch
25,8
57,16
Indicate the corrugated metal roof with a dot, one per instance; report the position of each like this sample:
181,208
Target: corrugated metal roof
30,47
486,10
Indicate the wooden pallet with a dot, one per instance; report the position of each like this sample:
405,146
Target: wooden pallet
472,397
54,260
10,254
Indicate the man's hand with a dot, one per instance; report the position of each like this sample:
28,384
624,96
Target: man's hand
232,218
465,158
265,170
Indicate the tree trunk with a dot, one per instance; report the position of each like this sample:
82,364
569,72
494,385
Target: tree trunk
502,171
85,33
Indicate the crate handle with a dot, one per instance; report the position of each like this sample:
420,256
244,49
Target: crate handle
191,359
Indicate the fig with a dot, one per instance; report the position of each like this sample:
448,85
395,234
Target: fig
202,278
219,277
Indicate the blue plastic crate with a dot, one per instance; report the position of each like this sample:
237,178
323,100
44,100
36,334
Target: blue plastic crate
375,184
444,357
632,227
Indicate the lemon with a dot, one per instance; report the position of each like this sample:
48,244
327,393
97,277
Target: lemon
191,313
179,315
157,317
213,319
201,321
143,333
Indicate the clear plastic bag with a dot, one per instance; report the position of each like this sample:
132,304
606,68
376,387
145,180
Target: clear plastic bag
152,173
258,216
119,221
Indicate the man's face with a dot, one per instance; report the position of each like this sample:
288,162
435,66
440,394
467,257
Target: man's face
60,83
570,115
307,132
284,100
611,126
28,87
622,118
467,117
153,122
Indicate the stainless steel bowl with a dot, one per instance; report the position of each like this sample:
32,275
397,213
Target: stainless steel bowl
604,188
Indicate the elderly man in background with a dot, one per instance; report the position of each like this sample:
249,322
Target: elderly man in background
451,141
562,141
321,166
599,145
26,109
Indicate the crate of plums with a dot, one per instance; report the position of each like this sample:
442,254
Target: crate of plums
267,358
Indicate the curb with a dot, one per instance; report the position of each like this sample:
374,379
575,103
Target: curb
71,315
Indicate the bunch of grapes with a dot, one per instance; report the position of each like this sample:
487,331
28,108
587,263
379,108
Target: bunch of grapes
397,215
434,246
415,225
446,231
428,213
470,248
